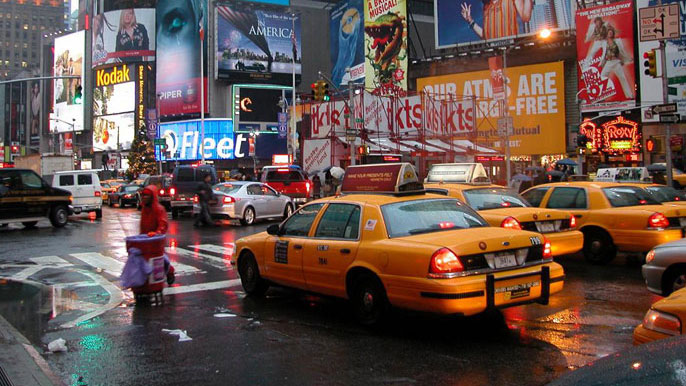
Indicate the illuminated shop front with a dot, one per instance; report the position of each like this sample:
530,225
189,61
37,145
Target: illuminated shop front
613,139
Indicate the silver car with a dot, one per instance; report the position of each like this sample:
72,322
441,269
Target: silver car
665,268
246,201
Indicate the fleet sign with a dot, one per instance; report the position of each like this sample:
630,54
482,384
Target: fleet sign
114,75
184,140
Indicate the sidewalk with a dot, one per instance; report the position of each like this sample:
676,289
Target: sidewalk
20,361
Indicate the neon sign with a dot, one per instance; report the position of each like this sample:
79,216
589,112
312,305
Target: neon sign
617,136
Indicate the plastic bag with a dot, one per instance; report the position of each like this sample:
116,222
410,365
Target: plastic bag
58,345
136,270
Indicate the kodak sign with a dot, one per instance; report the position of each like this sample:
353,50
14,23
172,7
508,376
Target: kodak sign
114,75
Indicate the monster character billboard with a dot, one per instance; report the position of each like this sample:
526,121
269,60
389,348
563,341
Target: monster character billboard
385,42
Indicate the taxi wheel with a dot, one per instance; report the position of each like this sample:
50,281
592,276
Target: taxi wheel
59,216
674,280
369,300
598,247
288,211
252,282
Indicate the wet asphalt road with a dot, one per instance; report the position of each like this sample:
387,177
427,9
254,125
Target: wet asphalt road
289,337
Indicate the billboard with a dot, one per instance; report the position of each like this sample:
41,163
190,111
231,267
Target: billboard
346,39
535,100
67,113
466,22
605,55
113,132
179,28
613,134
651,88
257,45
123,36
259,104
183,140
385,42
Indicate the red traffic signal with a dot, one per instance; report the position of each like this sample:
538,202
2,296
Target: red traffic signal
15,149
650,145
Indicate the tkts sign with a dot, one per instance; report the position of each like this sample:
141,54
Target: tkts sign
613,135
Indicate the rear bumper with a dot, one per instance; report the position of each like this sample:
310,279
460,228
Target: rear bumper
653,277
226,211
181,204
643,335
635,240
470,295
565,243
85,208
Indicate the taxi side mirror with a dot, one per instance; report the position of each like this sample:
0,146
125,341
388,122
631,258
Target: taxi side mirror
273,229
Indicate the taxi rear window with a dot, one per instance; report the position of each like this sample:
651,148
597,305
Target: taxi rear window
493,198
666,193
620,196
425,216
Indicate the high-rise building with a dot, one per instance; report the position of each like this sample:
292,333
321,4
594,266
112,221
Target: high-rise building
22,24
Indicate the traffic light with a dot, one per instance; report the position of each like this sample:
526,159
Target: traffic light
15,149
78,97
320,89
363,150
325,92
650,63
313,86
650,145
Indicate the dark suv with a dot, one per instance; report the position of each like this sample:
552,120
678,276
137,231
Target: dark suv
26,198
185,181
164,194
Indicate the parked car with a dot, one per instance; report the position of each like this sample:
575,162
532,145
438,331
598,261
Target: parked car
665,268
26,198
247,201
125,195
664,319
289,180
185,181
85,188
164,193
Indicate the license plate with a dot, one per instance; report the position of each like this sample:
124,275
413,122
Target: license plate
502,260
682,222
545,227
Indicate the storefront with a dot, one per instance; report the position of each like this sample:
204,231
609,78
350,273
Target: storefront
614,140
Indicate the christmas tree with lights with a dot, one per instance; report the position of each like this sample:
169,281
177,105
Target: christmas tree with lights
141,157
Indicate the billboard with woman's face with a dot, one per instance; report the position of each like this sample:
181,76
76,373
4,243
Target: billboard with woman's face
124,36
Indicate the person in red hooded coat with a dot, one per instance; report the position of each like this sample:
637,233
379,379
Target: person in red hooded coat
154,219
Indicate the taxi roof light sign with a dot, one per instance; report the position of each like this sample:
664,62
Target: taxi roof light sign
465,173
389,178
638,174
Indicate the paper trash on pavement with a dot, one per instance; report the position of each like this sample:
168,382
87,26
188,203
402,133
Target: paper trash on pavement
182,334
57,345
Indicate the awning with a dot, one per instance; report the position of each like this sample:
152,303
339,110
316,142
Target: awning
463,143
418,146
392,146
446,146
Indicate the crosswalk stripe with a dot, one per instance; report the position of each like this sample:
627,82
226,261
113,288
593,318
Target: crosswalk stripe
100,261
226,251
201,287
214,261
25,273
50,260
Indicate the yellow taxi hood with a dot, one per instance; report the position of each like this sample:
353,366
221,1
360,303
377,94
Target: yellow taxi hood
674,304
467,241
524,214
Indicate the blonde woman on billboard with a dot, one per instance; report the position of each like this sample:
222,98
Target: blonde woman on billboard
597,34
499,17
132,36
614,60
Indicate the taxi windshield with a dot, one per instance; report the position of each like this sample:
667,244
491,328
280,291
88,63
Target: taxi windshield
620,196
666,193
424,216
493,198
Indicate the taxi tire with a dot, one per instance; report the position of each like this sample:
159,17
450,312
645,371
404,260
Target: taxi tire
98,213
606,251
253,284
59,216
29,224
287,211
671,276
369,299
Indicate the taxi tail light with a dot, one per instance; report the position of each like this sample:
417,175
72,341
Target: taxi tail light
97,193
161,192
662,322
229,200
195,199
511,223
172,191
658,220
572,222
445,261
650,256
547,249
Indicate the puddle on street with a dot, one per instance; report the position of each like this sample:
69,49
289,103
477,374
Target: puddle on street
30,307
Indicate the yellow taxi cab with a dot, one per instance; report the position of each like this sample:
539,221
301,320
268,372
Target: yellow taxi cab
385,242
612,216
666,194
110,186
503,207
664,319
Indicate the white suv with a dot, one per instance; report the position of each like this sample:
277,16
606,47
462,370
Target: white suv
85,188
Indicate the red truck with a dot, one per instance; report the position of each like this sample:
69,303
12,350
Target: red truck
288,180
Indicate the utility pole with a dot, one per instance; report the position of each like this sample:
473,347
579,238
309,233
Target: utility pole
157,128
668,126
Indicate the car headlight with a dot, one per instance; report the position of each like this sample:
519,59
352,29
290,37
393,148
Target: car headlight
662,322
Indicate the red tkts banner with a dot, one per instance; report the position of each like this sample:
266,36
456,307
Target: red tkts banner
605,47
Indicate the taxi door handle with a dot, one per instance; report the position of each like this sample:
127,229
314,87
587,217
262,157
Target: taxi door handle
297,246
345,250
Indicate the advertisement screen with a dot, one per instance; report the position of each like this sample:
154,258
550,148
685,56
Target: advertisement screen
183,140
67,110
113,5
346,38
180,24
259,104
126,35
651,88
385,41
535,101
257,45
605,54
108,130
114,99
464,22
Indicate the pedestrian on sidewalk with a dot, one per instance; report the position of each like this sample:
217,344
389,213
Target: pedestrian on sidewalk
205,195
154,221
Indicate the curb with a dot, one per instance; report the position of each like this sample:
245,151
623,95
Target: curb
20,361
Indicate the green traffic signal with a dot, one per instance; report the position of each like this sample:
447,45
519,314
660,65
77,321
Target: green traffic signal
78,96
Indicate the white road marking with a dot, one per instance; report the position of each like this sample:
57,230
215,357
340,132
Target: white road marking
50,260
100,261
201,287
26,272
679,371
116,296
226,251
214,261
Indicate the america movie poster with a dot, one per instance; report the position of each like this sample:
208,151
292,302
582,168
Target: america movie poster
605,54
385,45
